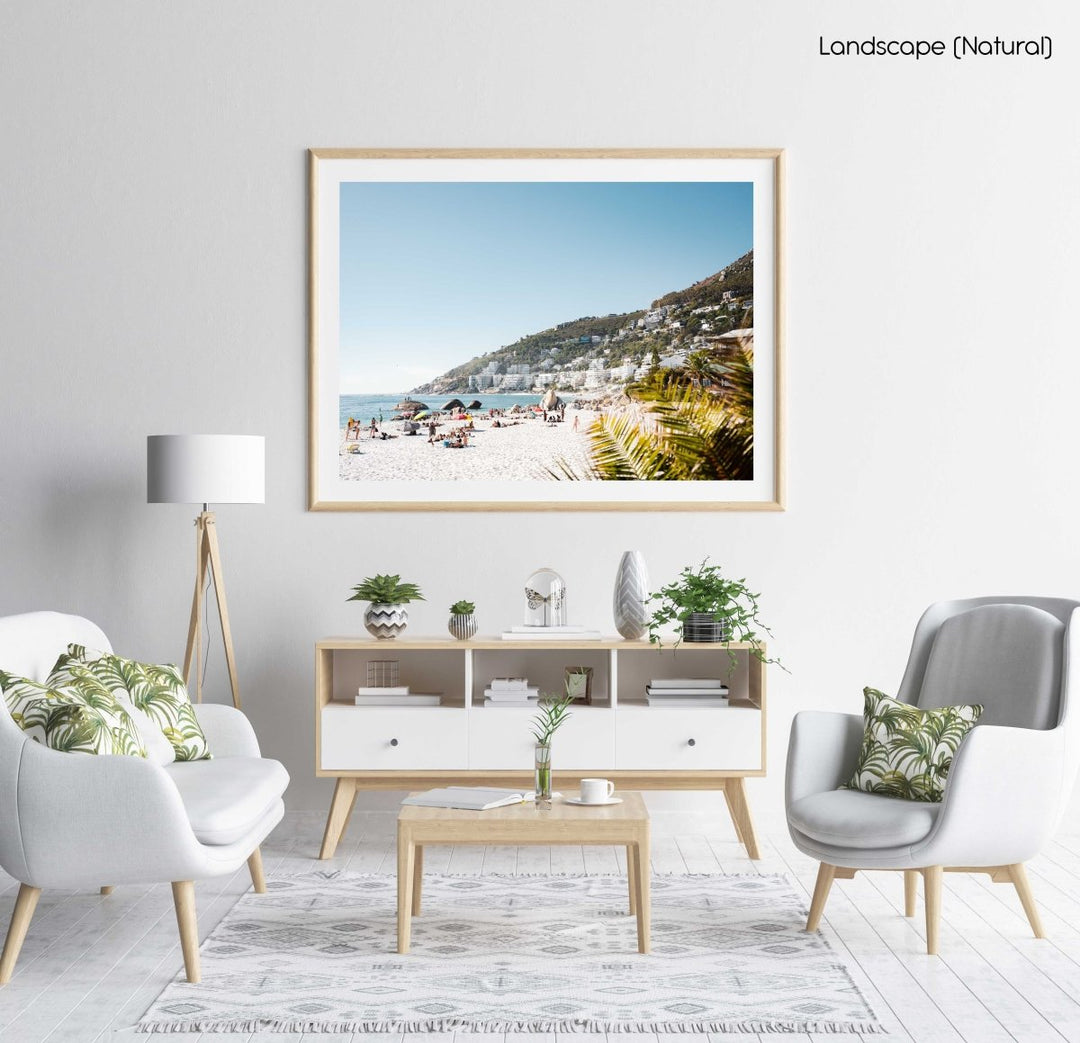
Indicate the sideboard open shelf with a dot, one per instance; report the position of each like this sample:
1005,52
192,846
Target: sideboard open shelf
465,742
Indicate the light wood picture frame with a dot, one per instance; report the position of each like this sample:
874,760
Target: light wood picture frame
543,284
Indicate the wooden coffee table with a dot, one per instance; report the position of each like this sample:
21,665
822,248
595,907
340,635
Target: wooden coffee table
625,824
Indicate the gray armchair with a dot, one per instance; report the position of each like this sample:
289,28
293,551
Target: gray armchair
1009,782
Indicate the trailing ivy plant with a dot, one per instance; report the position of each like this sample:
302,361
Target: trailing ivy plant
706,589
386,590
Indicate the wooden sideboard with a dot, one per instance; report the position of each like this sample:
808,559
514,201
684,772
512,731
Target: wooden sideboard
464,742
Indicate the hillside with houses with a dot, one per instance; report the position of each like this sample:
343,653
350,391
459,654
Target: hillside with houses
597,352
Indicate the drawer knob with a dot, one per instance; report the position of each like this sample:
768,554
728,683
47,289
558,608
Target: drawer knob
691,742
393,742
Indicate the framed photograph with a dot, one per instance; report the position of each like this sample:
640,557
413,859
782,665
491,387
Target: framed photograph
546,329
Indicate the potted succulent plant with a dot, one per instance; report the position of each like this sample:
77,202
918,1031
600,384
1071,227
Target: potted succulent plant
386,616
462,621
705,605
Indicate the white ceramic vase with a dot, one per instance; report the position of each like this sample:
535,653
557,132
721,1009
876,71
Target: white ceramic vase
631,590
386,621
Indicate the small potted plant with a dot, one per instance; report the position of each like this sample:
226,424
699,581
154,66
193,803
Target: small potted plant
551,714
386,616
705,605
462,621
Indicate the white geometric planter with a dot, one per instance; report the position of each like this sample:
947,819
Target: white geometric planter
628,601
386,621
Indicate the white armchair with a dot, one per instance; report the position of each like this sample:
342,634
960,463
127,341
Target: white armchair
1009,782
71,820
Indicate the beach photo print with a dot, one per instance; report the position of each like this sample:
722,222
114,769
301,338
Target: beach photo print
545,330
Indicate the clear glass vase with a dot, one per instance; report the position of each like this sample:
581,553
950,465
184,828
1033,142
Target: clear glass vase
542,783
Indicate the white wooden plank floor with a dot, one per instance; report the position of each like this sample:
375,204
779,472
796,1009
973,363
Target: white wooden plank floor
91,965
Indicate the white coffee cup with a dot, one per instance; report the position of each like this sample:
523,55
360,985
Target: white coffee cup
596,791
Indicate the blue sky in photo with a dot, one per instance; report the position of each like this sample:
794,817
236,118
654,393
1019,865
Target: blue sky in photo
434,273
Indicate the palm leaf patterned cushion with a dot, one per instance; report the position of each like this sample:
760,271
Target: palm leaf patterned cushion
71,720
907,752
89,678
158,691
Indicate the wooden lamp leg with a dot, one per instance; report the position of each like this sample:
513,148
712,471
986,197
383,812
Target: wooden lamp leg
208,560
218,576
194,639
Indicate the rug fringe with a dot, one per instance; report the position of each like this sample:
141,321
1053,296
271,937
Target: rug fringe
534,1025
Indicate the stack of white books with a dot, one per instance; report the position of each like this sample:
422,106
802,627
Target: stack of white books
686,691
510,691
394,695
560,633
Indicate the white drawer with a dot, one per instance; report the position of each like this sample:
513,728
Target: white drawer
720,739
501,740
360,738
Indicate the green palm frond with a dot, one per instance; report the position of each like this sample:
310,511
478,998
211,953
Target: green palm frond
686,431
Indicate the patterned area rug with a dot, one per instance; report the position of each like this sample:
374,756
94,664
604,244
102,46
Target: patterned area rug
516,953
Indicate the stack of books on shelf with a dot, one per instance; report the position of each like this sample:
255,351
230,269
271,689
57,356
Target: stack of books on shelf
686,691
510,691
393,695
560,633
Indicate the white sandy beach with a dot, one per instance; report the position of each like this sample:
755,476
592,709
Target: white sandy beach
524,449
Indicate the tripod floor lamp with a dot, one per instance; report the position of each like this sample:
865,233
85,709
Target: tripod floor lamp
206,469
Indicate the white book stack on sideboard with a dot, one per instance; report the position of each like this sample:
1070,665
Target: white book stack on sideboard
710,744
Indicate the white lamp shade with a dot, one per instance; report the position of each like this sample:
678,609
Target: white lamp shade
205,469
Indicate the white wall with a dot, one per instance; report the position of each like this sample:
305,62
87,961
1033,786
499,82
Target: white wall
152,279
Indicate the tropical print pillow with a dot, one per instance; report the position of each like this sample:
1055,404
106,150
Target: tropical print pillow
158,691
90,678
69,720
907,752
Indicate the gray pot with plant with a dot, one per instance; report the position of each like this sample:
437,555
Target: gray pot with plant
706,606
386,616
462,620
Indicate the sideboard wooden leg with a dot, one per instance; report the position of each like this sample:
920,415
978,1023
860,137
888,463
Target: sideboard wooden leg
735,792
336,821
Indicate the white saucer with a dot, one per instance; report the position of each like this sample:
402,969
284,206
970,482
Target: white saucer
593,803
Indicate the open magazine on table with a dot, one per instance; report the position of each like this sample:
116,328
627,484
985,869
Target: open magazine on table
470,798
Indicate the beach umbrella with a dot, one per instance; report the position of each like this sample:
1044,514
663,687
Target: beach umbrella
550,400
454,403
410,403
475,404
422,414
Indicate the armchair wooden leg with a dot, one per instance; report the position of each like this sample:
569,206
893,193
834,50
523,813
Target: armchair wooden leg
911,886
255,867
825,876
20,922
184,900
1018,875
932,876
107,889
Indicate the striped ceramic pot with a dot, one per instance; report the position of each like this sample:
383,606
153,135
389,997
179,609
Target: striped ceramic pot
462,625
386,621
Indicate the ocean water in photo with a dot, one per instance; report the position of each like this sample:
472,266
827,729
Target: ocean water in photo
364,407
